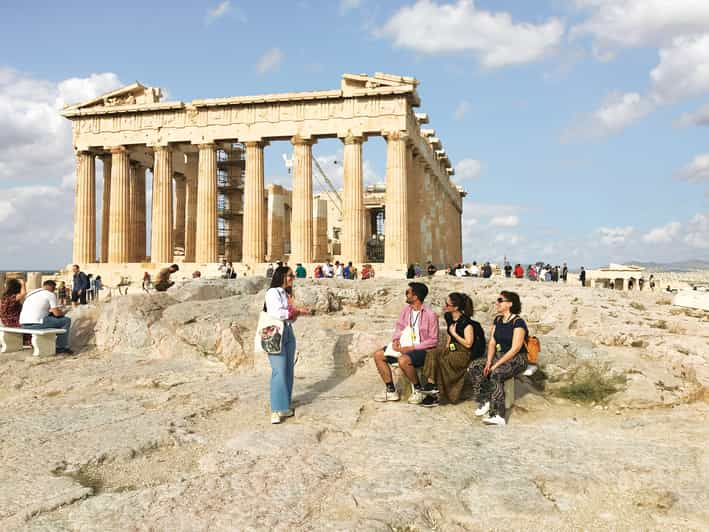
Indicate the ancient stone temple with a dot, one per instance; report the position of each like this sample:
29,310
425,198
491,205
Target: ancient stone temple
209,200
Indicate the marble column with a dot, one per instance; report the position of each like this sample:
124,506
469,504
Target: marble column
180,208
302,215
119,250
85,209
206,244
276,223
138,214
354,235
254,213
105,206
320,230
161,247
396,245
190,206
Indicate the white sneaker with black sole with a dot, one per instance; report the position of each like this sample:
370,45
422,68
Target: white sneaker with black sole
495,420
386,396
430,401
416,397
483,409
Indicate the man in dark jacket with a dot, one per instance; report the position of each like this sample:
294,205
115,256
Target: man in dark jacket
79,286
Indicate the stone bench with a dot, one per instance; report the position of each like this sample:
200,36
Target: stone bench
44,341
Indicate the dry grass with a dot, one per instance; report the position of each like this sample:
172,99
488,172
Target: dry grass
592,386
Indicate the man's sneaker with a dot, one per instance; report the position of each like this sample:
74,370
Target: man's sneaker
494,420
386,395
287,413
482,410
429,389
430,401
275,418
416,397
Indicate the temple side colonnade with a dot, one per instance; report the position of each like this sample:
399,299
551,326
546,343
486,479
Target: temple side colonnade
132,131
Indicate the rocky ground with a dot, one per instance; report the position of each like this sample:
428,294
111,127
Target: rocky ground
161,422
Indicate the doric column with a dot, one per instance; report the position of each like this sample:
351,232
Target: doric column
85,209
119,250
105,206
396,248
276,222
354,237
138,214
320,230
417,209
302,215
254,213
161,248
190,206
206,247
180,199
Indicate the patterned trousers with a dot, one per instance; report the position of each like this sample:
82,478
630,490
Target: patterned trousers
492,387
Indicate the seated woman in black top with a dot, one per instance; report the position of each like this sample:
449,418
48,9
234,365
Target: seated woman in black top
445,367
506,357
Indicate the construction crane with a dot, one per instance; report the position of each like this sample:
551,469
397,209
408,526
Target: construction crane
323,179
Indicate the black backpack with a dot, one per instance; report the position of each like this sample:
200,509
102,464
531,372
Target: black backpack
479,343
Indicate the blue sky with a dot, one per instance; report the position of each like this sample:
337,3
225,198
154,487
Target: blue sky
578,127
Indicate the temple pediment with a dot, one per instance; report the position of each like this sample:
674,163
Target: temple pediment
352,82
133,94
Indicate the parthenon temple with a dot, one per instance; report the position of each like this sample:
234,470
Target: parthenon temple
209,200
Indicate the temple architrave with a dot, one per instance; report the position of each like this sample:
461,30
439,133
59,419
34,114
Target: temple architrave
209,201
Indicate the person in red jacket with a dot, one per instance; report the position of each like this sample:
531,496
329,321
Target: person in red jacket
519,271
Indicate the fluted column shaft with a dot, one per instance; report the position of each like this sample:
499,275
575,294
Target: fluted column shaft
161,248
206,246
138,215
191,206
105,206
119,249
353,234
254,230
396,248
85,209
302,214
180,205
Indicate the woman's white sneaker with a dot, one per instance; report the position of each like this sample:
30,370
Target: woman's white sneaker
494,420
275,418
287,413
386,395
484,409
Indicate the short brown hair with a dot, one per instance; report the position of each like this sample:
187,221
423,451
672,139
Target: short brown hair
513,298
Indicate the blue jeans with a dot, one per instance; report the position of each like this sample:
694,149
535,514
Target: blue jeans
52,322
282,372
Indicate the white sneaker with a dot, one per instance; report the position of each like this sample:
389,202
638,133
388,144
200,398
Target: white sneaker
287,413
275,418
494,420
386,395
416,397
484,409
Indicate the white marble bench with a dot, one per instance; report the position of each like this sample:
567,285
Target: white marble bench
44,341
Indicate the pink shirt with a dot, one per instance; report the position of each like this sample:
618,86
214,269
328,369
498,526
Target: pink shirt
428,326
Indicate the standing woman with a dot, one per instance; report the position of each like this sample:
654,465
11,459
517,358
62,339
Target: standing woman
280,305
506,357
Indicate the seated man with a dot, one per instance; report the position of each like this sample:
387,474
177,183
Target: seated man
415,332
40,310
164,281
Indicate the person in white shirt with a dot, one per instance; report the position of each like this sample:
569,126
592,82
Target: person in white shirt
40,310
474,270
338,270
280,305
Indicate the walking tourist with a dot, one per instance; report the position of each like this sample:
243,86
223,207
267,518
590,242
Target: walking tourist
346,270
651,280
300,272
61,293
415,332
431,269
269,271
79,286
564,272
508,270
641,283
338,270
506,357
164,281
532,273
445,368
98,286
582,276
40,310
280,305
11,305
519,271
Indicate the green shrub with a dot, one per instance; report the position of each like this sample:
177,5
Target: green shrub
637,306
592,386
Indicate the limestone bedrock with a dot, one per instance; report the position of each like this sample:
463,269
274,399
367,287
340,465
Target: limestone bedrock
162,421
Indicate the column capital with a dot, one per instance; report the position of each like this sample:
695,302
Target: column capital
207,146
118,149
256,143
396,135
297,140
161,147
353,139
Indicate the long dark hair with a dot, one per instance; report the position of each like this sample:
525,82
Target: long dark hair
462,302
279,276
12,287
513,298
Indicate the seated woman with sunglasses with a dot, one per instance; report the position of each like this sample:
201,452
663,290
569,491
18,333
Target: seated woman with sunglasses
506,357
445,368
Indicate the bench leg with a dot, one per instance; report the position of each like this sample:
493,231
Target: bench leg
509,393
10,342
44,345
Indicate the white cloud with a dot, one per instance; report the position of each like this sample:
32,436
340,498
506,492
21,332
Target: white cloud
269,61
683,69
614,235
697,170
461,110
508,238
666,233
616,112
700,117
493,37
218,11
505,221
697,231
467,169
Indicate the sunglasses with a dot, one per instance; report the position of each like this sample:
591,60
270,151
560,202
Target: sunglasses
290,276
500,300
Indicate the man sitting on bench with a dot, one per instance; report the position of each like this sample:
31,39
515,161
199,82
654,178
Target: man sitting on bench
415,332
41,311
